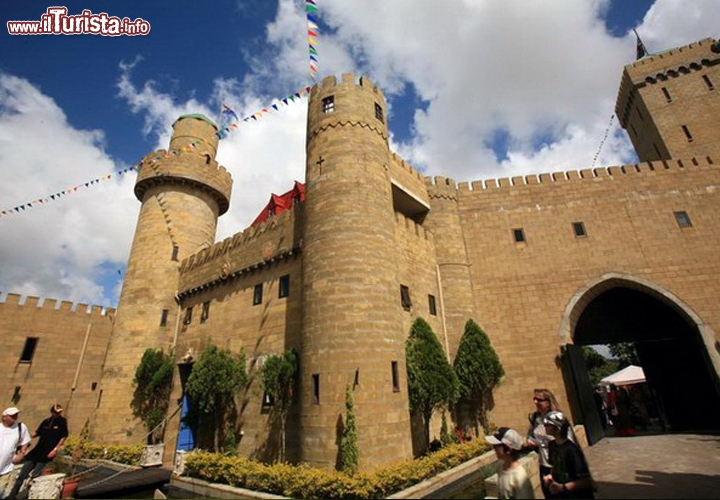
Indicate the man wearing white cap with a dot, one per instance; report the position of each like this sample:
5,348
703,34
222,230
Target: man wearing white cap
52,433
14,441
513,481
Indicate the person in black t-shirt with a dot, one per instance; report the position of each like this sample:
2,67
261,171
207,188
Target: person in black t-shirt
569,474
52,433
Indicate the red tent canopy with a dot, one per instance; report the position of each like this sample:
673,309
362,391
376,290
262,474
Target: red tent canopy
282,202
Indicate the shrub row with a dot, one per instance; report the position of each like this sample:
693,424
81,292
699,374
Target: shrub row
302,481
75,447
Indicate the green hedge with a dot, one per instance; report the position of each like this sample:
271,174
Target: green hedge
124,454
301,481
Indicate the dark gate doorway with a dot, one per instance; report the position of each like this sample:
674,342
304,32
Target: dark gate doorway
669,345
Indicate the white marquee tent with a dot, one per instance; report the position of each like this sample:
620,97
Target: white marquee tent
629,375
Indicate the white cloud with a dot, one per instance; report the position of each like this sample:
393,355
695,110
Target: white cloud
58,249
543,75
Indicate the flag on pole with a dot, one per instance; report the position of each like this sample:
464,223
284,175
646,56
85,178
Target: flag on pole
227,110
641,51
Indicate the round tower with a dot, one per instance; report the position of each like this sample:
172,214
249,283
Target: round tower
182,191
444,222
352,323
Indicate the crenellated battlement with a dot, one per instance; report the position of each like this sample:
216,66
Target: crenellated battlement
49,304
336,103
185,167
411,227
658,68
330,83
441,187
588,174
239,239
402,164
408,178
703,51
275,238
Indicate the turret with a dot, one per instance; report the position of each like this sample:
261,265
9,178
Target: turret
669,102
352,323
182,191
443,220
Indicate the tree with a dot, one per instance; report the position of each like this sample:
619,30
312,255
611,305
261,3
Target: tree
598,366
479,371
349,452
432,383
215,380
153,383
279,376
626,353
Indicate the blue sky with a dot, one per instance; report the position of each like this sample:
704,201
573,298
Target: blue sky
476,89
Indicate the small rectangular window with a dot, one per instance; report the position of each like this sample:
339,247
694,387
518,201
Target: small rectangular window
164,317
687,133
175,252
405,297
431,305
328,104
267,400
188,316
29,349
257,294
379,113
707,81
683,219
579,229
316,388
518,235
284,288
666,94
395,376
205,314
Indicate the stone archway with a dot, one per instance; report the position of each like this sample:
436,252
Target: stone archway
677,349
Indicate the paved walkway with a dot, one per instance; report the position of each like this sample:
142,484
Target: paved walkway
657,466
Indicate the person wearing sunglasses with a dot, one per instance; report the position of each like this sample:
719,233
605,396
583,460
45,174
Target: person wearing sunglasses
537,438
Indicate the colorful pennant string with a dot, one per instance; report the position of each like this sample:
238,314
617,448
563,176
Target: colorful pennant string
222,133
227,113
313,35
56,196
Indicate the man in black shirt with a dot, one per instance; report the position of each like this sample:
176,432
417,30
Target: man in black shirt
570,475
52,433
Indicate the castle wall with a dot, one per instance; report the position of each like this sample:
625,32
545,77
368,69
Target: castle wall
72,341
224,276
522,289
415,255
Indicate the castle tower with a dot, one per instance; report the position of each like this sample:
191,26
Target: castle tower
352,323
669,102
444,222
182,191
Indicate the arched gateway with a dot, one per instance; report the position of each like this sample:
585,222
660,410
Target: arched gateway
678,350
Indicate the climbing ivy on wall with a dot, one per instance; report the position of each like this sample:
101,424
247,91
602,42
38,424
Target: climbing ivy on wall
153,383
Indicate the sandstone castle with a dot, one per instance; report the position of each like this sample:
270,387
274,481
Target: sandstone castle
544,263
